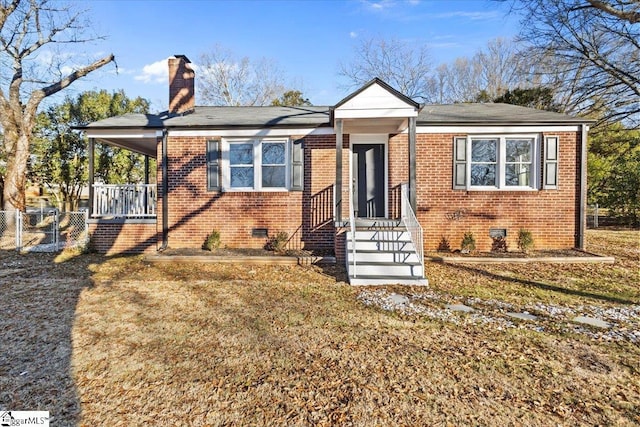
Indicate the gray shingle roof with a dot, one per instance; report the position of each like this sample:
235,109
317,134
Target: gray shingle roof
446,114
225,117
317,116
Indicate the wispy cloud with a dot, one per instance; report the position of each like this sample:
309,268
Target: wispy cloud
472,15
379,6
156,72
353,34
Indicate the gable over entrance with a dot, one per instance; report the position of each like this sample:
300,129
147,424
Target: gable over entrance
375,108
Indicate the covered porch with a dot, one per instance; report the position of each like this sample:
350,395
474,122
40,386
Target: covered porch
129,200
375,194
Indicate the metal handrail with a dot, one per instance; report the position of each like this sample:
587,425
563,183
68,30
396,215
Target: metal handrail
410,221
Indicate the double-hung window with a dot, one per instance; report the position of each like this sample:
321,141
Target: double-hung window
501,162
256,165
241,166
274,165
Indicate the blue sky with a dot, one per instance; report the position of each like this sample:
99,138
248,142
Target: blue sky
307,39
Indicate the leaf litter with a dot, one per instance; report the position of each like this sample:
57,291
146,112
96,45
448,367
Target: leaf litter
121,341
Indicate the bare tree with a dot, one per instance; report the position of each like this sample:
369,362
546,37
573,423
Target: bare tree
405,67
27,29
490,73
226,79
591,50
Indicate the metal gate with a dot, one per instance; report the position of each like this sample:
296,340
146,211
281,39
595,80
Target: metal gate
43,231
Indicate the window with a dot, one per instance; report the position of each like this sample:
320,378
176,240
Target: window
274,167
495,162
261,165
241,165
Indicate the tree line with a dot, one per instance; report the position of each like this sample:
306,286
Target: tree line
580,57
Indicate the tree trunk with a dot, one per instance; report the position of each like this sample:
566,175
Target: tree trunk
16,176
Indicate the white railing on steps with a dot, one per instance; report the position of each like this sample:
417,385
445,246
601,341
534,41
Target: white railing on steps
411,223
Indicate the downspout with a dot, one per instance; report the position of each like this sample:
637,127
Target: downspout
165,193
583,187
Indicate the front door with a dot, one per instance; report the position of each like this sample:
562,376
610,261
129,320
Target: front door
368,180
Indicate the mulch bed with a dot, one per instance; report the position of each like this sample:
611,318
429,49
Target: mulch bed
559,253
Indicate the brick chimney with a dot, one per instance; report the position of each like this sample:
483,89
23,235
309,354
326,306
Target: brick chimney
182,97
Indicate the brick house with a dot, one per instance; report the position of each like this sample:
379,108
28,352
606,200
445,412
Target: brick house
377,178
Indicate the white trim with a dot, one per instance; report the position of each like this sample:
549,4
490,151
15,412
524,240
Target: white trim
534,178
122,133
372,138
253,133
257,165
376,113
463,129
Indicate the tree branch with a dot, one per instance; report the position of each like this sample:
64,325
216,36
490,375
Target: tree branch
632,16
38,95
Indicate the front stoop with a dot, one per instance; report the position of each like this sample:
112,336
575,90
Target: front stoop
385,255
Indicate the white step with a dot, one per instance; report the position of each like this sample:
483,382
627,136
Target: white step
377,223
372,256
386,280
380,245
395,235
406,270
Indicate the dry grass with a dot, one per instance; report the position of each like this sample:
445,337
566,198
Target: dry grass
117,341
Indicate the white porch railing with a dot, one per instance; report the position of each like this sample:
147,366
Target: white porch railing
411,222
124,200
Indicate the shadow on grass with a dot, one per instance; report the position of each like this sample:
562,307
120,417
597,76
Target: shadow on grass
39,299
544,286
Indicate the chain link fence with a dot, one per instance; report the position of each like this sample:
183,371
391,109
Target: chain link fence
7,230
43,231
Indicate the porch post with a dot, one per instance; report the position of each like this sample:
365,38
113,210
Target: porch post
412,163
146,184
91,156
146,169
337,209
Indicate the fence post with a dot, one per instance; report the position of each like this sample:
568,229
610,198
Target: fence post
86,227
596,215
56,228
18,230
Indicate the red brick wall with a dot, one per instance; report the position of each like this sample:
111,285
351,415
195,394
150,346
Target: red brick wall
113,237
307,216
446,213
194,212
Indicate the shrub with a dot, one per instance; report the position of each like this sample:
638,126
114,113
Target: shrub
212,241
525,240
468,243
499,244
278,242
444,245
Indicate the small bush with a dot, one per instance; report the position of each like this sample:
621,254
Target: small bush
277,243
468,243
444,245
212,241
525,240
499,244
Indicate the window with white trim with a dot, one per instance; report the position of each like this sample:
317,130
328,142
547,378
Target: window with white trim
270,164
496,162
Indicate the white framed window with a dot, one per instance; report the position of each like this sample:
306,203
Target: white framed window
256,164
496,162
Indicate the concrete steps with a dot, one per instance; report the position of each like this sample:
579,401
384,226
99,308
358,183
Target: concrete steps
384,255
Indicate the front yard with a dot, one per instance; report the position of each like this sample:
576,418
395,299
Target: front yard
98,340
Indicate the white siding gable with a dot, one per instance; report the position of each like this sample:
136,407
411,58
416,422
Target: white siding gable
375,101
